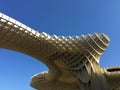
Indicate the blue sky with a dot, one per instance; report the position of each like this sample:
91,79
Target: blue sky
60,17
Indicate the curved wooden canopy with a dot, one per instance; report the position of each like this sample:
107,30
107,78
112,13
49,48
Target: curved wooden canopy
78,56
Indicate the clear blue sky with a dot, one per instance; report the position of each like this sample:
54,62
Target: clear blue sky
60,17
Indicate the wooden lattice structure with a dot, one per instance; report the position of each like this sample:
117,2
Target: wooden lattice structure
73,61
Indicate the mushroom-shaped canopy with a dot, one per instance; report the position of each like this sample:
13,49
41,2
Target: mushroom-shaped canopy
68,57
